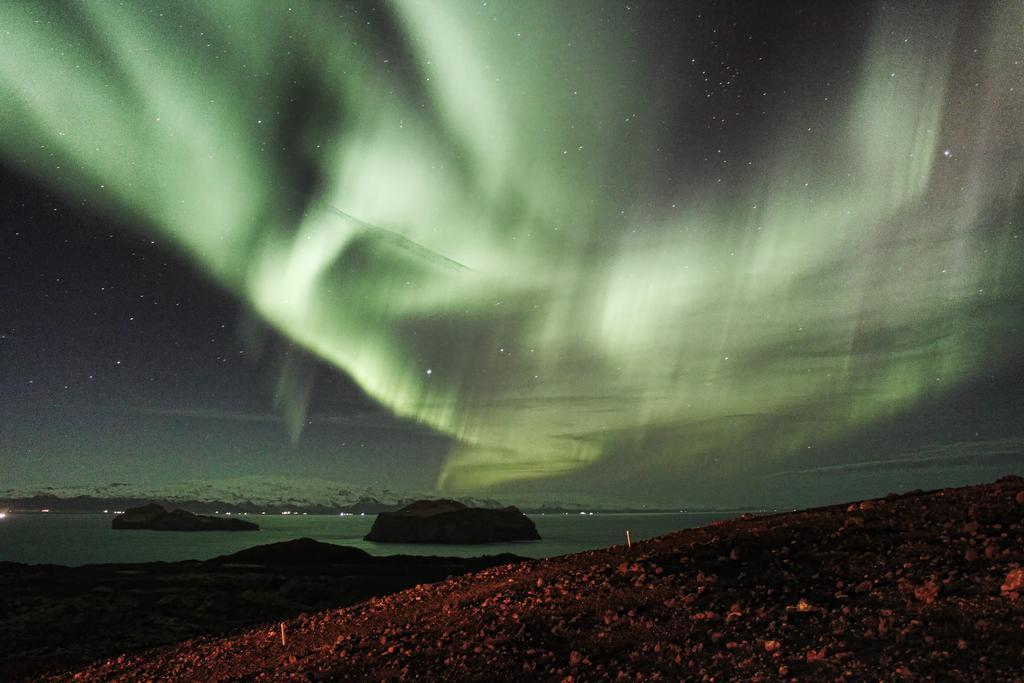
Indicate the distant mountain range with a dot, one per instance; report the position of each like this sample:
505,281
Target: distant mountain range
256,494
243,494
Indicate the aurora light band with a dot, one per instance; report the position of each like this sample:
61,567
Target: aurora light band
490,215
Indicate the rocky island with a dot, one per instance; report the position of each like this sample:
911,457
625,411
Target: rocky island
157,518
448,521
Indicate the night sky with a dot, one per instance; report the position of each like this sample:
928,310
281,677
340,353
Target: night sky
708,253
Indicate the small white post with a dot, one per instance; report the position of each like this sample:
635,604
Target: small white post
283,643
629,542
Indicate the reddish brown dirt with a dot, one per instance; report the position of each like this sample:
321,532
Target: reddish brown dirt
923,586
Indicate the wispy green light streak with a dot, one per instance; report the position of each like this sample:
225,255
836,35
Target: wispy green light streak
504,235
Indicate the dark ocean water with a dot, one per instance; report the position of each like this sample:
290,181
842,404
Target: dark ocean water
71,539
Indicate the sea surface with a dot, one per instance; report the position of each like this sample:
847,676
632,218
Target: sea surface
77,539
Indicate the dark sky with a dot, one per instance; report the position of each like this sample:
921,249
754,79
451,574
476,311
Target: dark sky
122,363
713,253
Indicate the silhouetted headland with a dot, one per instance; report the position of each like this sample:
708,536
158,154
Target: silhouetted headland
54,617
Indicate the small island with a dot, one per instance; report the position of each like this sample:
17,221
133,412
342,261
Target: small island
156,517
449,521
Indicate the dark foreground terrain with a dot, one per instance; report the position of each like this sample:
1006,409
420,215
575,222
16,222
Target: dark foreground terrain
54,617
912,587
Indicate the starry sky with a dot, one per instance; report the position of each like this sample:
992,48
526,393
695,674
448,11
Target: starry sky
700,253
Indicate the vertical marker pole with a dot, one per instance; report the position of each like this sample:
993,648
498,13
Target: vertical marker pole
282,635
629,543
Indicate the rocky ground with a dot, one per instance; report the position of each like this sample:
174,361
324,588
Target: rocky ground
921,586
54,617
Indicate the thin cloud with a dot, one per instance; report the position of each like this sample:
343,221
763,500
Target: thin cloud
936,456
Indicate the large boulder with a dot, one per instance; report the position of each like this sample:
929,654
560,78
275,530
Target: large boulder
157,518
448,521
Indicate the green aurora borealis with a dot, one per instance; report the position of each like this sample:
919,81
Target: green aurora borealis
518,223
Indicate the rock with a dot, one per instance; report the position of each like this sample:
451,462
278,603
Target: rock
156,518
927,592
1014,582
448,521
853,523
